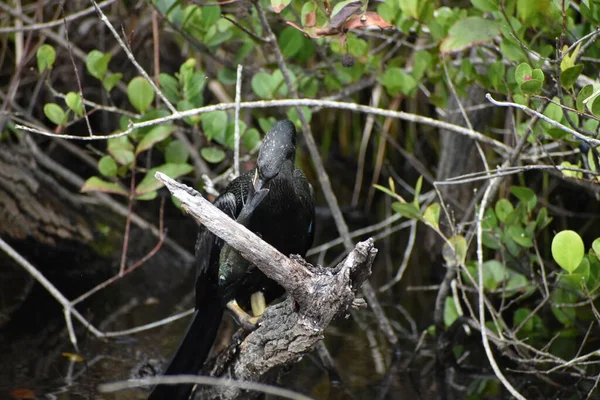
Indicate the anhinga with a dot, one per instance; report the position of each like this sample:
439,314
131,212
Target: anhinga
275,201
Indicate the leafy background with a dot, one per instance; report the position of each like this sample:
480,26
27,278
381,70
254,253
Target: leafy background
481,206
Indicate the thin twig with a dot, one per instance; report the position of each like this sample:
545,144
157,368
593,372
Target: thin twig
236,150
290,103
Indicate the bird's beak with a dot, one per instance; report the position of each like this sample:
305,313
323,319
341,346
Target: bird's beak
257,182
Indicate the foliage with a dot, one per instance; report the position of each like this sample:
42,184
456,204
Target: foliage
540,269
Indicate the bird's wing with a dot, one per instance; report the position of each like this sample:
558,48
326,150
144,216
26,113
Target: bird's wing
307,196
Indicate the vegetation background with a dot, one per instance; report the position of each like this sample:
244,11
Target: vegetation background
461,135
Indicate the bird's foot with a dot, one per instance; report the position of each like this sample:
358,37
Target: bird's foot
245,320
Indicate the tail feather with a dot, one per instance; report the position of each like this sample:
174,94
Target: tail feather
192,351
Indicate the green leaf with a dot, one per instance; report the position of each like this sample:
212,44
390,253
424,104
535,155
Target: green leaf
496,73
528,9
150,183
486,5
121,150
265,86
538,75
396,81
421,64
542,219
55,113
532,86
407,210
525,195
450,311
214,125
148,196
73,101
521,236
251,138
469,32
97,63
46,55
156,134
584,93
503,209
432,215
308,14
418,191
170,87
494,273
279,5
95,184
110,81
140,93
596,247
521,315
290,41
565,315
523,73
107,166
176,152
212,154
455,250
567,250
570,75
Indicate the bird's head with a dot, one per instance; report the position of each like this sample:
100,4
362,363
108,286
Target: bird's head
278,147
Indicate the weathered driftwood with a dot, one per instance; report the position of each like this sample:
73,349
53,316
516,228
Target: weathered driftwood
290,329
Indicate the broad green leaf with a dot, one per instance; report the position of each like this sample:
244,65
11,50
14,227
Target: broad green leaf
214,125
525,195
396,81
265,86
279,5
455,250
503,209
450,311
176,152
432,215
150,183
140,93
156,134
570,75
486,5
407,210
251,138
531,86
596,247
521,236
121,150
523,73
110,81
494,273
567,250
542,219
170,87
521,315
46,55
564,314
583,94
496,73
107,166
55,113
528,9
95,184
290,41
148,196
97,63
212,154
422,64
469,32
73,101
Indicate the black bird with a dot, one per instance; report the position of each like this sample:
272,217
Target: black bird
275,201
